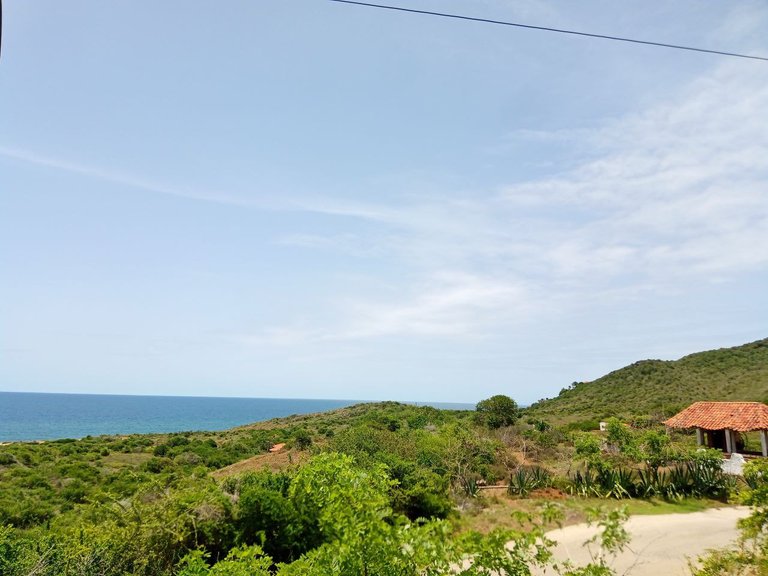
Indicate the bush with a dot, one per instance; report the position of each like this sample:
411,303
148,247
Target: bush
174,441
497,411
75,492
302,440
156,465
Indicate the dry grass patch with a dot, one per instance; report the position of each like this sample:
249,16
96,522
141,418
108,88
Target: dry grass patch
500,510
271,461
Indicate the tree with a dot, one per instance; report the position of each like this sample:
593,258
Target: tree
302,440
497,411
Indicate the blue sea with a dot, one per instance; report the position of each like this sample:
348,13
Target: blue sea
33,416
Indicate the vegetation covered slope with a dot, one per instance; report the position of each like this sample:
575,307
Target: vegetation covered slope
660,388
354,490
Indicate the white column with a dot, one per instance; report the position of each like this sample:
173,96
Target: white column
764,441
699,437
728,441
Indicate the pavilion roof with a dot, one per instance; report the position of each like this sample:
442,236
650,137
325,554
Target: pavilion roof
739,416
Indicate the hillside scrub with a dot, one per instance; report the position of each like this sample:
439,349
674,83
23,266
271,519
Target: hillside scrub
155,505
338,512
659,389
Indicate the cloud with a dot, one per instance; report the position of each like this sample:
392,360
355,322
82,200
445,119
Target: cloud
119,177
679,189
450,305
672,196
667,197
447,305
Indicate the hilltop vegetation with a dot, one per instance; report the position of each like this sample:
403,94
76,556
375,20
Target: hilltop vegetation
373,488
140,504
45,481
661,388
381,488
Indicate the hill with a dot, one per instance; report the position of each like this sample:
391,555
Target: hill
660,388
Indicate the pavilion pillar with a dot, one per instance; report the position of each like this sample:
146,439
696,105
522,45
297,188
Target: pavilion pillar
729,441
699,437
764,442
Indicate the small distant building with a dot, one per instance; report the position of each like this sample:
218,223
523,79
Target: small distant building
720,424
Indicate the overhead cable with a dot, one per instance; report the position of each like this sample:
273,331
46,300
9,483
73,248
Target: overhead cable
549,29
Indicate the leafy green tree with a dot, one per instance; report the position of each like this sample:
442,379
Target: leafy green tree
266,515
587,446
656,448
302,440
364,537
497,411
623,439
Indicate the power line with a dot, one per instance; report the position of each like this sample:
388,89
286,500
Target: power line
548,29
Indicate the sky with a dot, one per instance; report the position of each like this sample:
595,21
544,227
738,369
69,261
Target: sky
306,199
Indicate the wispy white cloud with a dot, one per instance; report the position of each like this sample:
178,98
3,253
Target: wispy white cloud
671,196
119,177
679,189
676,192
450,305
447,305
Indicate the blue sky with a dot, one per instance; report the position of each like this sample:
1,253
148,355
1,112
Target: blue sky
298,198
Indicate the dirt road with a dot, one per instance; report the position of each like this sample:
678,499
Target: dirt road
660,545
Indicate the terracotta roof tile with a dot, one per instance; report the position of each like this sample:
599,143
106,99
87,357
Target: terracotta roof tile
739,416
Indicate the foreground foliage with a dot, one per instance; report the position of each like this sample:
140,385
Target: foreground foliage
376,492
346,507
750,556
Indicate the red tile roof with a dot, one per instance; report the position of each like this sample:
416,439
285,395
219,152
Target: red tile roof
739,416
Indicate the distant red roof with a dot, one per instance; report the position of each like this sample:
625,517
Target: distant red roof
277,447
739,416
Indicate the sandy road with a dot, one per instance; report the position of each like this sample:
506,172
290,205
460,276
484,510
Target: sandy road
660,545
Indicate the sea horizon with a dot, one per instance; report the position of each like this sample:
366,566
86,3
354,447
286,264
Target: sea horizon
32,416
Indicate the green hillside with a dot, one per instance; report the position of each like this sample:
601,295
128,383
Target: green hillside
658,387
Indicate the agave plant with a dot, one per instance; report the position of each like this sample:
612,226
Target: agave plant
617,483
681,480
525,480
585,483
471,488
541,477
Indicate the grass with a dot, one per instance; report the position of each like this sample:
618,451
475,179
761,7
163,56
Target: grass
497,511
274,462
125,460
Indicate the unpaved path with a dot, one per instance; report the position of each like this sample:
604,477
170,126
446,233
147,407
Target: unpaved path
660,545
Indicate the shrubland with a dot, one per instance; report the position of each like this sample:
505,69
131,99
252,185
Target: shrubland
380,488
661,388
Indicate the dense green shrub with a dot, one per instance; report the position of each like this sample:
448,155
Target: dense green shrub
497,411
302,440
265,514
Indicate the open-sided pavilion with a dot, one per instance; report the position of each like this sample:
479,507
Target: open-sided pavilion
716,423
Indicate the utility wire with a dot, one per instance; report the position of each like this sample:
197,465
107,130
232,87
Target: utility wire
547,29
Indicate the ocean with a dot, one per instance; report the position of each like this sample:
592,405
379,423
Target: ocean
37,416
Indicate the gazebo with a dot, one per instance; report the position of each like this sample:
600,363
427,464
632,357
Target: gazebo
717,423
